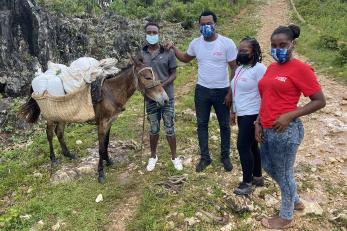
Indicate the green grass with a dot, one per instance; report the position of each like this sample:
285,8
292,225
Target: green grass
327,49
25,170
153,210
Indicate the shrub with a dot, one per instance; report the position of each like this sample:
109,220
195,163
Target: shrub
328,42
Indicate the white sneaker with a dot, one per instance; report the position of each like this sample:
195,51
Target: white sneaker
177,163
151,163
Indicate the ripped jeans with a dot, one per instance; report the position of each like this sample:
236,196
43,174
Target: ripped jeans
154,114
278,154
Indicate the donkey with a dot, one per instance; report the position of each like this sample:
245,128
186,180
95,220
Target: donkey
116,91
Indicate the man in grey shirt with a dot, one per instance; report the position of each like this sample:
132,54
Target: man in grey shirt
163,63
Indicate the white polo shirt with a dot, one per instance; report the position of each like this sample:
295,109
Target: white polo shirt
244,86
213,58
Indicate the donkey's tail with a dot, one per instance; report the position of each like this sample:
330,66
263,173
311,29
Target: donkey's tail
30,111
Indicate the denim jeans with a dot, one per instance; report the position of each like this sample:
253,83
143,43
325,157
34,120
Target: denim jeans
156,112
205,98
278,154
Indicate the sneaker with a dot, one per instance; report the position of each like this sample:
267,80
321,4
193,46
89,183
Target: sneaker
202,165
177,163
258,181
227,164
151,163
243,189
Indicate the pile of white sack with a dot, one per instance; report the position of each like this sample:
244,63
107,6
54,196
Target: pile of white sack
59,79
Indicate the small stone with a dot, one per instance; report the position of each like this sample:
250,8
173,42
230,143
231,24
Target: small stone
313,169
228,227
332,159
99,198
79,142
25,217
191,221
312,208
270,201
171,225
30,189
56,226
37,174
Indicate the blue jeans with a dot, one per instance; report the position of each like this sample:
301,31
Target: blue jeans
205,98
156,112
278,154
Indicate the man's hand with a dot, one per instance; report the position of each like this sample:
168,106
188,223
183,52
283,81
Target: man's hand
169,45
282,122
228,99
259,133
232,119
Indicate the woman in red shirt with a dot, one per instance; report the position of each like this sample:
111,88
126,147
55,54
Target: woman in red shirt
278,127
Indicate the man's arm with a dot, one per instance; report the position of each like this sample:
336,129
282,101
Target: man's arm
183,56
171,78
228,98
180,55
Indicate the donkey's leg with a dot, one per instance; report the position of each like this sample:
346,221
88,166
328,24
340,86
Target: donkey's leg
109,161
102,150
50,134
59,131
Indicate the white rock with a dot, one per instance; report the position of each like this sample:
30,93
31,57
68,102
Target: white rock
56,226
228,227
25,217
99,198
332,159
270,201
79,142
312,208
191,221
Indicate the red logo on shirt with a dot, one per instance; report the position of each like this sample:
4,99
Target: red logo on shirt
217,53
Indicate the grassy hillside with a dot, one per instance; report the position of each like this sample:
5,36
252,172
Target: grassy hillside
28,199
183,11
324,35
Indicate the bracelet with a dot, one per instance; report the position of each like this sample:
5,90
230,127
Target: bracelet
256,122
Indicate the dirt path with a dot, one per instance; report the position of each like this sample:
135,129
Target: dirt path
321,160
321,166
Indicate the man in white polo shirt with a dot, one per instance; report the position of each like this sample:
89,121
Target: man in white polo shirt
214,54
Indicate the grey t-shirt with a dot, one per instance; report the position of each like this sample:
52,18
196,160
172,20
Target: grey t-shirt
161,61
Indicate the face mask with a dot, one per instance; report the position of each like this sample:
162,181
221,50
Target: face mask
281,55
152,39
243,58
207,30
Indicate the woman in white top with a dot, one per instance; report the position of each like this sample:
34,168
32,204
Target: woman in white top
246,104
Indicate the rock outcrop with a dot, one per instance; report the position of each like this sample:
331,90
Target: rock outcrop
31,35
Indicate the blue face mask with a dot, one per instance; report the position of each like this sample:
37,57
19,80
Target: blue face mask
152,39
281,55
207,30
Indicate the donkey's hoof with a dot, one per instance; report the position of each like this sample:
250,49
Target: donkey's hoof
55,163
101,179
70,155
109,162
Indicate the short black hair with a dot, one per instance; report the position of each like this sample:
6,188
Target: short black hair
152,24
257,55
292,31
208,13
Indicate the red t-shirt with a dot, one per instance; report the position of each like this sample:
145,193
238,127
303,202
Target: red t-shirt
281,87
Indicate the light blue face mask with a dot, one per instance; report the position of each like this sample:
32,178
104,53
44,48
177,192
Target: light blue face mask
152,39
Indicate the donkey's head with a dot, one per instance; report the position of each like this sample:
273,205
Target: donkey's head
148,82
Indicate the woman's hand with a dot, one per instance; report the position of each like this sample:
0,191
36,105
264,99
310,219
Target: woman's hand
232,118
282,122
259,133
